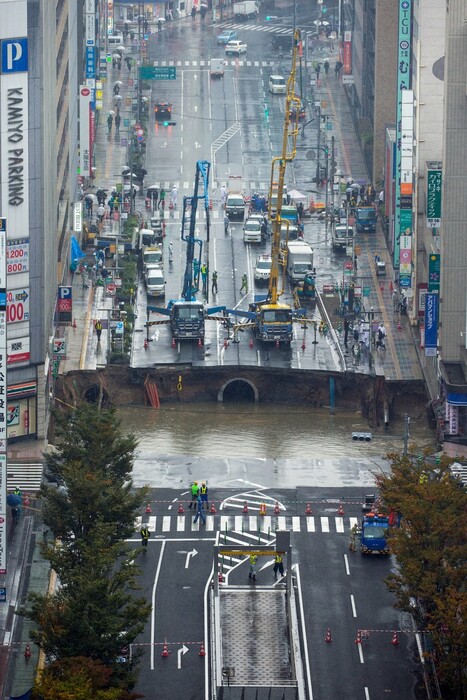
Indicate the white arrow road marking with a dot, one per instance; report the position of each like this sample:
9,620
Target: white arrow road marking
193,553
180,653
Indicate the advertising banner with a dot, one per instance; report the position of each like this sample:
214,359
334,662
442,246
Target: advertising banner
17,307
434,182
347,53
85,96
17,256
18,351
434,273
3,396
431,325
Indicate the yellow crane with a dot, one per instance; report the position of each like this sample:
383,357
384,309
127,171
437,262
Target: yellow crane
274,319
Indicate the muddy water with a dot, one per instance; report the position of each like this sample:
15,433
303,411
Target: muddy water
255,431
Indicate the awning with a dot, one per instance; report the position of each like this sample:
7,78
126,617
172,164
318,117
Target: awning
457,399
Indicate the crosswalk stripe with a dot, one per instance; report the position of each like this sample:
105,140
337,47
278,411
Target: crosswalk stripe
339,524
166,523
353,521
281,523
324,524
195,526
266,523
152,523
209,523
310,524
296,523
181,523
224,523
238,523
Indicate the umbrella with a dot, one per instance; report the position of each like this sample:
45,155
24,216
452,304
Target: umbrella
91,197
203,4
127,187
120,50
355,186
118,82
117,98
152,188
125,169
116,55
111,112
160,19
13,500
127,21
130,175
144,99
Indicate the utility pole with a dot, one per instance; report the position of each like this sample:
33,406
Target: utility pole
406,434
318,178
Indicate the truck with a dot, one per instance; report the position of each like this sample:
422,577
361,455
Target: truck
235,206
342,236
299,262
289,222
155,282
374,534
248,9
365,219
216,67
151,255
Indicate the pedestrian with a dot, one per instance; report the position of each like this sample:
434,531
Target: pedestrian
244,284
204,276
278,564
15,515
252,571
98,329
226,223
114,62
117,121
173,197
353,538
300,210
100,212
116,89
128,62
346,331
162,199
193,12
199,512
381,336
395,301
326,67
214,282
194,493
337,69
223,196
159,25
119,63
171,252
144,532
132,36
204,494
109,122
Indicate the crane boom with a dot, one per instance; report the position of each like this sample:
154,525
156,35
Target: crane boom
190,278
276,185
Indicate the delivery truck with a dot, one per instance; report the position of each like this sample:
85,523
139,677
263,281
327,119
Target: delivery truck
245,10
299,260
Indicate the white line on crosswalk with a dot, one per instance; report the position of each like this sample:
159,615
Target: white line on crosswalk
195,526
281,523
296,523
209,523
180,523
310,523
224,523
339,524
266,523
353,521
166,523
324,524
238,523
253,523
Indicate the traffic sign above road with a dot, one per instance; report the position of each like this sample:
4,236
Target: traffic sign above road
157,73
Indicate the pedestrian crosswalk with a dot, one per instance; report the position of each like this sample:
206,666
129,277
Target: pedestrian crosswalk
248,523
186,185
228,62
265,28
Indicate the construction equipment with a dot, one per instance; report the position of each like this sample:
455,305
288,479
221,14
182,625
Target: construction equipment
374,534
187,315
273,321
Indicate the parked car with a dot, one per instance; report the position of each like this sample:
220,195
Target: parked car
226,36
236,47
262,269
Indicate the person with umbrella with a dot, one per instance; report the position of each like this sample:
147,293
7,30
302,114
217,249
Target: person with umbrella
128,60
88,201
153,194
110,120
117,122
159,25
162,199
116,88
173,197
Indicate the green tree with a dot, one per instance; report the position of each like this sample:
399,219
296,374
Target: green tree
79,678
431,549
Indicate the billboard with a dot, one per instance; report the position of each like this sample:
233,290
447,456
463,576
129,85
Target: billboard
434,187
3,395
431,324
85,98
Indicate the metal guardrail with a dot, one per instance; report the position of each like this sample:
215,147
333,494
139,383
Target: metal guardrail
333,333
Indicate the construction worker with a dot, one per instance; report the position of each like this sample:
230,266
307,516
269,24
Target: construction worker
252,572
244,284
144,532
214,282
98,329
17,491
278,564
199,512
204,276
203,492
353,538
194,493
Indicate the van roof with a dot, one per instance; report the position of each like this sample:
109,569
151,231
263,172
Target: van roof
277,77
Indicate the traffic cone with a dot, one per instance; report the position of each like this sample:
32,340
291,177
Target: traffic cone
27,652
148,508
74,323
202,651
340,510
180,508
381,286
200,343
165,650
277,509
221,577
226,342
250,344
26,500
145,344
328,637
262,508
399,327
173,343
303,344
391,287
358,638
245,507
308,509
395,640
213,508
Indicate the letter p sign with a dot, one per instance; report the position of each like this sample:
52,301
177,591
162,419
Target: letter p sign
14,55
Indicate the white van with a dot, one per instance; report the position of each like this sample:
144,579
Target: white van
277,85
216,67
115,40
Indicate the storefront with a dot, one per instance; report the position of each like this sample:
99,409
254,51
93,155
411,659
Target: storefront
21,411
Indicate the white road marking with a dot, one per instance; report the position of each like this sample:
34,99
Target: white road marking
296,523
310,523
339,524
253,527
166,523
346,562
238,523
153,603
352,603
281,523
305,639
360,653
180,523
324,524
367,694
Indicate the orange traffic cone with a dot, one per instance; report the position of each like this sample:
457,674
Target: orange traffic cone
202,651
262,508
174,344
27,652
213,508
303,344
145,344
250,344
340,510
221,577
148,508
245,507
180,508
165,650
328,637
308,509
277,509
395,640
74,323
399,327
358,638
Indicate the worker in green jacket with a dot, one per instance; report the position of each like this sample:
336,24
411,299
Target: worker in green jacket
194,493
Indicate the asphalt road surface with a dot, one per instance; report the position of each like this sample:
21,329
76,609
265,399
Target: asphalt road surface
339,590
